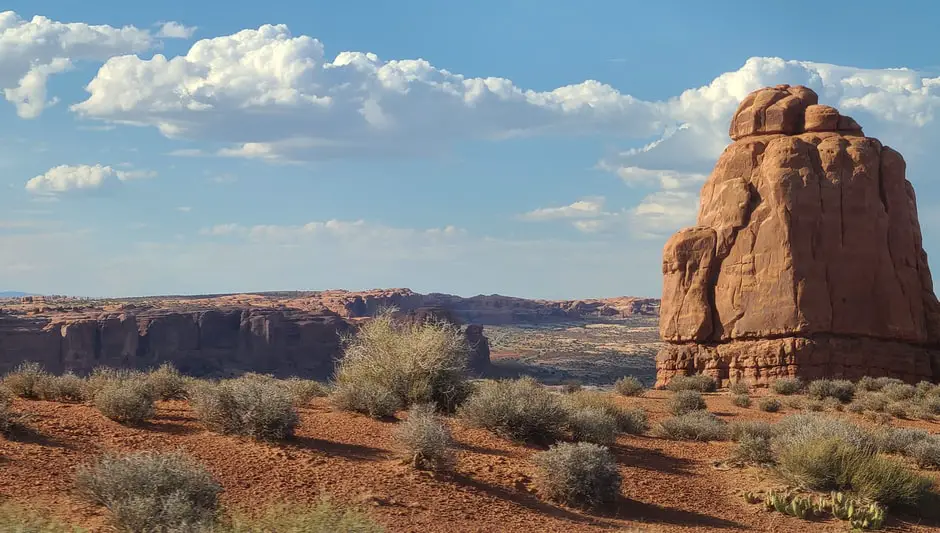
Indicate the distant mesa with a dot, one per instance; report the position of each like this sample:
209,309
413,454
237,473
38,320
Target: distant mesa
806,259
13,294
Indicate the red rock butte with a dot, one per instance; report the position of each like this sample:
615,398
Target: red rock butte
806,259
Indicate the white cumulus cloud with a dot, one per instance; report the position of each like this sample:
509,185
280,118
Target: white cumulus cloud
175,30
32,50
64,178
585,208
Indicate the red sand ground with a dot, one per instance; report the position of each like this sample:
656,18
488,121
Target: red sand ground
668,485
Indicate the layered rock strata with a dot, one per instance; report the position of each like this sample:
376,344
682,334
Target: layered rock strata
806,259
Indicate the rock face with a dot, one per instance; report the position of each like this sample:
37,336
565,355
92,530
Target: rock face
806,259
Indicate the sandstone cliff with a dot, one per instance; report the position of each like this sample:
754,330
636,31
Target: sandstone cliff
806,259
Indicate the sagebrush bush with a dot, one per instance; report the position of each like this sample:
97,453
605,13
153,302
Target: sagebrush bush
627,420
926,453
24,381
588,424
741,400
257,408
753,448
686,401
424,440
128,402
787,386
571,385
324,517
411,362
795,403
840,389
899,440
887,481
167,382
899,391
304,390
65,388
7,417
833,404
769,405
579,474
815,406
871,384
931,404
739,387
104,376
696,425
697,382
869,401
17,519
516,409
898,409
754,428
152,492
629,386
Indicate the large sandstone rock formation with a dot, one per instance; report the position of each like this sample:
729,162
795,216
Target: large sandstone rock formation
806,259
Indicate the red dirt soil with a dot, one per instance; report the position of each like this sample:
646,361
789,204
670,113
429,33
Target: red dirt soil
668,485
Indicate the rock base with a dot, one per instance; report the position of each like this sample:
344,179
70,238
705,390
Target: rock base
760,362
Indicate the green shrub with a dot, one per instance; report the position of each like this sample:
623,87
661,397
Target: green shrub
592,425
629,386
257,408
152,492
869,401
739,387
633,421
926,452
377,403
899,440
898,409
324,517
697,382
769,405
696,425
167,383
424,440
686,401
868,383
411,362
833,404
65,388
304,390
931,404
840,389
24,381
899,391
516,409
104,376
579,474
888,481
741,400
129,402
924,388
787,386
17,519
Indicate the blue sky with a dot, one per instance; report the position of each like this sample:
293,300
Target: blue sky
541,149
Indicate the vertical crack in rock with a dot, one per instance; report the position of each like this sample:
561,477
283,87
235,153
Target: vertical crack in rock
840,313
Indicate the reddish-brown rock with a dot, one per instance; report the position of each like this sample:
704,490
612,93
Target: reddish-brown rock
807,248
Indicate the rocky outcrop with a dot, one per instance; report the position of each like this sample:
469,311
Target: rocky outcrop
806,259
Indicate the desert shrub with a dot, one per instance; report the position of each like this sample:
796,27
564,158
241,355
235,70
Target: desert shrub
794,403
833,404
840,389
516,409
304,390
129,402
580,474
741,400
926,452
152,492
686,401
167,382
920,411
869,383
815,406
787,386
697,382
8,417
17,519
412,362
797,429
879,418
931,404
869,401
324,517
571,385
629,386
887,481
899,440
769,405
739,387
592,425
65,388
899,391
924,388
695,425
257,408
628,420
898,409
104,376
24,381
752,448
820,463
424,440
377,403
754,428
